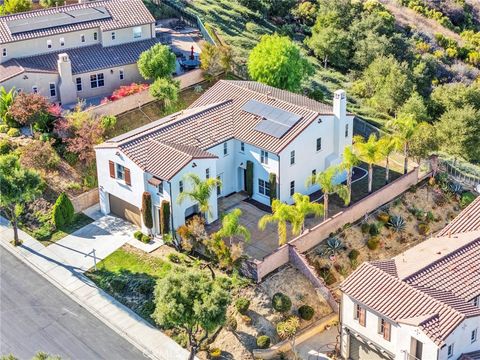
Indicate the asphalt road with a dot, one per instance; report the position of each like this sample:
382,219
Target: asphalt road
36,316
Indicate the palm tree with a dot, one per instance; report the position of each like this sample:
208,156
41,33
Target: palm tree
231,227
349,160
326,180
200,192
303,207
370,152
388,145
281,213
403,129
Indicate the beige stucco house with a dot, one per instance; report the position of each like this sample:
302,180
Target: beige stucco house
75,51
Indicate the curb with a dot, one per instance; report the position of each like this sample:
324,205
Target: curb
87,307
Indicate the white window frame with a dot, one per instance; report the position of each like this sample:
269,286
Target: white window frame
450,350
121,74
264,187
137,32
292,187
77,83
119,172
95,36
4,52
264,157
82,38
35,89
114,36
207,173
54,88
49,44
314,172
225,148
476,301
62,41
317,143
242,147
473,336
95,79
180,187
292,157
160,188
346,130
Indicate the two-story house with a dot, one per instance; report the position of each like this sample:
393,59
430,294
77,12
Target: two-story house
75,51
240,132
424,304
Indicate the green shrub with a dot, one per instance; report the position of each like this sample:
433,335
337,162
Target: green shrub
4,128
383,217
365,228
247,320
373,231
242,305
145,239
62,212
306,312
71,158
165,218
215,353
325,273
466,199
175,258
231,324
373,243
353,254
138,235
423,229
249,178
13,132
5,146
118,284
263,342
44,232
147,210
281,302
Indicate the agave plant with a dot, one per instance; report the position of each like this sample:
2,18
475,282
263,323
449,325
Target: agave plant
455,188
397,223
334,246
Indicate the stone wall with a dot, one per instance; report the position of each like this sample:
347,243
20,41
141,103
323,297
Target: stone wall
85,200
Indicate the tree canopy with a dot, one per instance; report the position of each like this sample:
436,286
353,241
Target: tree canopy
15,6
157,62
278,62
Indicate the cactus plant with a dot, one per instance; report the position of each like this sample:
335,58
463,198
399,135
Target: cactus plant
455,188
397,223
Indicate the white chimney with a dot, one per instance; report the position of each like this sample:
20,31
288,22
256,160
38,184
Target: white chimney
67,89
340,104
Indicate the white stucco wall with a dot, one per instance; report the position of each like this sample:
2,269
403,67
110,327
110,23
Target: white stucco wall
27,80
125,35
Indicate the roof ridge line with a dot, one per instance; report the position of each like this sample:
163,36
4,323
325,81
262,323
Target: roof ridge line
55,8
271,96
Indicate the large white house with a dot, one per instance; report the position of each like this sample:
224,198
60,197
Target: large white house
75,51
240,132
423,304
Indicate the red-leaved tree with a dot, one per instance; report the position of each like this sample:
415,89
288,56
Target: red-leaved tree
29,108
125,90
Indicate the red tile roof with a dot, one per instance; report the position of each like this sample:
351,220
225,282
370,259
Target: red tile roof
467,220
215,117
124,13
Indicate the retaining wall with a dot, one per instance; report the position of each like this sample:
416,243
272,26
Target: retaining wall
85,200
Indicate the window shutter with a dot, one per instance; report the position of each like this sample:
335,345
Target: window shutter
111,164
386,331
361,318
128,180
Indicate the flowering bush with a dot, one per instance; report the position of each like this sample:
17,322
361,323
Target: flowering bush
125,90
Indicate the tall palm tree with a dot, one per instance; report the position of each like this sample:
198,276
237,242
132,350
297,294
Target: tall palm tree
231,227
370,152
326,180
300,209
281,213
200,191
388,145
403,129
349,160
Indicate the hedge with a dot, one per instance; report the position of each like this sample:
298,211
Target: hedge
62,212
165,217
147,210
249,178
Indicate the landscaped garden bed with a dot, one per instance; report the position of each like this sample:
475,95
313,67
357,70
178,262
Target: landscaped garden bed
395,227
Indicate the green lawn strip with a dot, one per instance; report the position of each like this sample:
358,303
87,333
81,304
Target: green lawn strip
79,220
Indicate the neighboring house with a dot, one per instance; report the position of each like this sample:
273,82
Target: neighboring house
75,51
233,126
423,304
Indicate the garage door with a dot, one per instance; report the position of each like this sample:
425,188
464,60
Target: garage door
125,210
361,351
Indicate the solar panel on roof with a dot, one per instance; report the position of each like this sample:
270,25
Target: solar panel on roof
69,17
275,121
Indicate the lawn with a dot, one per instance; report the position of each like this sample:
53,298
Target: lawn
79,220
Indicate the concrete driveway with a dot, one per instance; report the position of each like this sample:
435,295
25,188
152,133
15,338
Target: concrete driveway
105,235
316,347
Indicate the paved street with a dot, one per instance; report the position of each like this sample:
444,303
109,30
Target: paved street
35,316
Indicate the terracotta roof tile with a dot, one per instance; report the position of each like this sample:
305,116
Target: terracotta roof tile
124,13
467,220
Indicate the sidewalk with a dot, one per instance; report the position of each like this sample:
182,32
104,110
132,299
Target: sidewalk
70,280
